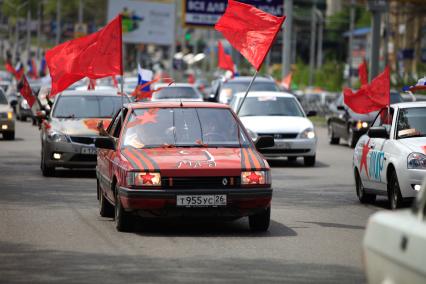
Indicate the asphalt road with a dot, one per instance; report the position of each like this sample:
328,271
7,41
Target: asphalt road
50,229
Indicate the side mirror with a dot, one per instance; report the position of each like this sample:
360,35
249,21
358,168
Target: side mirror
105,143
378,132
311,113
264,142
211,98
341,107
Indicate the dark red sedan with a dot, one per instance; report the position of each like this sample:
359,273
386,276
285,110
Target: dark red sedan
182,159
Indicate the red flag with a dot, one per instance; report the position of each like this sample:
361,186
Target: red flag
92,84
9,68
250,30
115,81
363,73
286,81
95,56
372,97
26,91
224,61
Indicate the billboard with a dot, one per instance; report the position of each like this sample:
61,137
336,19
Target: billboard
207,12
144,21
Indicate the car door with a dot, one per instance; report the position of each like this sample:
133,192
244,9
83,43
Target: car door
378,154
340,118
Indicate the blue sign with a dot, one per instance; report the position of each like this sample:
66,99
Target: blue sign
208,12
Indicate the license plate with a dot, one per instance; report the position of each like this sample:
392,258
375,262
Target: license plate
201,200
88,151
283,145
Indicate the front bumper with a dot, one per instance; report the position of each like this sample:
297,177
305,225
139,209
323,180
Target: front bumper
162,202
73,155
7,126
291,148
408,178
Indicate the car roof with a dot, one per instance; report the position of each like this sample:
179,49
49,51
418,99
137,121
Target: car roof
264,94
249,78
176,104
410,104
106,92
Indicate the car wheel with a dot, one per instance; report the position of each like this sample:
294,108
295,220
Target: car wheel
351,139
123,221
360,192
46,170
9,135
309,161
394,191
105,208
331,138
260,222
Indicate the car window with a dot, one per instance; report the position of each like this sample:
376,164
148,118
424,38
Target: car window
177,93
384,118
114,123
87,106
238,87
411,122
183,127
270,106
395,97
3,100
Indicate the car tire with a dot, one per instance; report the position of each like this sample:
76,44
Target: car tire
351,138
394,192
260,222
45,169
122,219
309,161
360,192
331,138
9,135
105,208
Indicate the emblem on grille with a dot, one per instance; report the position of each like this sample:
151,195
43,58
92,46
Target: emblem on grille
224,181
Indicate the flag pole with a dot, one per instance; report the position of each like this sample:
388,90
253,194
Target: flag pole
248,90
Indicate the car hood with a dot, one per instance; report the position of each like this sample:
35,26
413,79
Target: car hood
173,162
276,124
84,126
415,144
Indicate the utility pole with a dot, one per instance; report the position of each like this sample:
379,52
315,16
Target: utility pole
287,31
29,33
17,9
38,27
58,21
351,41
376,7
320,38
312,49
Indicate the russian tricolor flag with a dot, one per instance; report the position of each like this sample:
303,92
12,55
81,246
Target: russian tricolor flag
144,76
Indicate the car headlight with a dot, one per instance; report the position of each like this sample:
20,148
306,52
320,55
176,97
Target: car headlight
255,177
361,124
143,179
416,161
56,136
24,104
253,135
308,133
9,115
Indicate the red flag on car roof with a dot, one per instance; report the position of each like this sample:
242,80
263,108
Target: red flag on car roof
26,91
250,30
95,56
225,60
363,73
370,97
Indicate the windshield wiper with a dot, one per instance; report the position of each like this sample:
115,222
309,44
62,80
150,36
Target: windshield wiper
66,116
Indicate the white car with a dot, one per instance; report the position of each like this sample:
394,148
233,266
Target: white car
281,116
395,245
390,159
176,92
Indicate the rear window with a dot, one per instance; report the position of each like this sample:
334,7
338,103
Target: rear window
176,93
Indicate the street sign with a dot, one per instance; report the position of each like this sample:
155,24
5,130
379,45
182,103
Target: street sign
207,12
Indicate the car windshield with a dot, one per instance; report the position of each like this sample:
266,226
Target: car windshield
176,93
411,122
183,127
238,87
88,106
270,106
3,100
395,97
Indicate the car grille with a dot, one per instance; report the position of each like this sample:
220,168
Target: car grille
201,182
83,158
82,140
283,151
280,135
